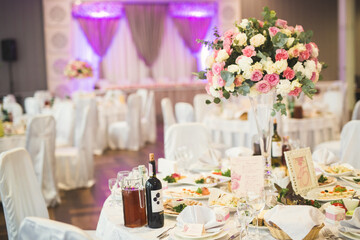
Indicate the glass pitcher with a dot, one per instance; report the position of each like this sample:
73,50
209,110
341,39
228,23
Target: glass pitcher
133,195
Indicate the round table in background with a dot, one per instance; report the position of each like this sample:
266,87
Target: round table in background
10,142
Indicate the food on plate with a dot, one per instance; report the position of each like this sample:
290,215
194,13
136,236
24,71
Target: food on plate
173,178
356,180
339,203
261,220
322,180
226,173
337,169
175,206
337,191
206,180
288,196
186,192
224,199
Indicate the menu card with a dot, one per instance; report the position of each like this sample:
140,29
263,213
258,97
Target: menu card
247,174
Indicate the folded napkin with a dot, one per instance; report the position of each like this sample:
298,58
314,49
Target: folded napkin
295,221
211,157
239,151
324,156
199,215
279,177
166,166
352,225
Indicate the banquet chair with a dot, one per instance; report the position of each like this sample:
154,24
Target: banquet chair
40,143
16,111
75,165
356,112
64,114
184,112
45,229
7,100
126,134
19,190
42,96
334,99
32,106
200,106
148,121
168,113
143,93
349,143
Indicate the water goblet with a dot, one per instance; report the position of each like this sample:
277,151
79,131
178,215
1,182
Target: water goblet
256,200
113,186
245,215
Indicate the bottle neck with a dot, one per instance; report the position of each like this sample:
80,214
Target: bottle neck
275,128
153,167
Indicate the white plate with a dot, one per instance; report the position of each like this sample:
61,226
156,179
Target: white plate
314,194
340,174
191,181
170,214
216,235
333,181
349,235
178,183
349,181
177,190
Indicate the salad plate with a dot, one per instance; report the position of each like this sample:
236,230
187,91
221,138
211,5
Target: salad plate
188,193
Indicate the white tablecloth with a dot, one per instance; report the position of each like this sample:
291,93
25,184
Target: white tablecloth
9,142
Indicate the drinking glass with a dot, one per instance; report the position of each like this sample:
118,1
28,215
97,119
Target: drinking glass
184,157
120,177
256,200
113,186
245,215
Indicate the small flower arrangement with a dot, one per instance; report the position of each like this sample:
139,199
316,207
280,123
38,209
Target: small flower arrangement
257,56
78,69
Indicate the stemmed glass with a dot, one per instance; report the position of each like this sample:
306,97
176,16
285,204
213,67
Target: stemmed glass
184,156
245,215
121,175
256,199
113,186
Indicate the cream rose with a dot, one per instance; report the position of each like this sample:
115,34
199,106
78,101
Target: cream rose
295,84
257,40
257,66
241,39
244,23
283,87
290,42
213,92
233,68
253,92
280,66
210,60
287,32
231,88
222,56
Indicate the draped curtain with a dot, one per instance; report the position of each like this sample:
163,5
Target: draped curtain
146,23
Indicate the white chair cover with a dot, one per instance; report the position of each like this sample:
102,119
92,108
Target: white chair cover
7,100
143,93
184,112
148,121
64,114
32,106
113,95
168,113
126,134
334,99
41,96
45,229
350,139
19,190
16,110
75,165
194,136
200,106
356,112
40,143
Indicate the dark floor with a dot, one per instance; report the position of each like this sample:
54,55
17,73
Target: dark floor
81,207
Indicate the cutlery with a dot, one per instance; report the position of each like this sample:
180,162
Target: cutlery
234,236
329,235
164,236
160,236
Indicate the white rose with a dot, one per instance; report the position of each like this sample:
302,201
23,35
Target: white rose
231,88
301,47
244,23
319,67
284,87
310,65
233,68
213,92
222,56
253,92
247,73
269,66
315,52
295,84
241,39
210,61
290,42
308,73
257,66
215,82
244,62
257,40
298,67
280,66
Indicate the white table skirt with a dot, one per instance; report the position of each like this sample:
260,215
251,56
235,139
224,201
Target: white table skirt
10,142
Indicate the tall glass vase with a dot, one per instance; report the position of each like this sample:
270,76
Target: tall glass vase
262,106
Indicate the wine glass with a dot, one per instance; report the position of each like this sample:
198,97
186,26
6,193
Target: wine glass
244,214
121,175
256,199
113,186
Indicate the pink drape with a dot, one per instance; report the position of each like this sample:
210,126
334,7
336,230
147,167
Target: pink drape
146,23
192,28
99,32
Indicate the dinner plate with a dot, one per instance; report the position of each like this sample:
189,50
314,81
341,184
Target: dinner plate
170,214
348,173
350,235
176,192
314,194
191,181
178,233
350,181
333,180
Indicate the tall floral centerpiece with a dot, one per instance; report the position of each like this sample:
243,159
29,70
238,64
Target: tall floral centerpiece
78,69
267,61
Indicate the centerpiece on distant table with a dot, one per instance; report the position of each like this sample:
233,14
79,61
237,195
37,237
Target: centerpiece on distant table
78,69
265,60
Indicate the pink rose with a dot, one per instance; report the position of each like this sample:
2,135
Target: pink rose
238,81
220,82
289,73
299,28
296,52
217,68
272,79
207,87
227,45
281,23
315,60
261,23
263,86
314,77
304,55
216,53
256,76
229,33
273,31
209,76
281,54
295,92
291,28
249,51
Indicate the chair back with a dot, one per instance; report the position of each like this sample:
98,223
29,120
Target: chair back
40,143
200,106
64,114
167,112
356,112
133,118
19,190
349,142
151,116
44,229
32,106
184,112
143,93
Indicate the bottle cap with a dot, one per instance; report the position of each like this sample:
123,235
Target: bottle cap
151,157
274,120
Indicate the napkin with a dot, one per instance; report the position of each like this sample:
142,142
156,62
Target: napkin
211,157
324,156
239,151
352,225
166,166
296,221
199,215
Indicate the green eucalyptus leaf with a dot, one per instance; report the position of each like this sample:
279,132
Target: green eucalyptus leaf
217,100
226,94
228,77
208,101
244,89
279,40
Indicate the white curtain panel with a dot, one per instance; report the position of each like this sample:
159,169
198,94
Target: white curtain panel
122,65
349,142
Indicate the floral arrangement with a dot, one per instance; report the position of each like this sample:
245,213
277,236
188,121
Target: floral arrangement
257,57
78,69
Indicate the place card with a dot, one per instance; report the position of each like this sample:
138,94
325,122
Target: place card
194,229
247,174
301,170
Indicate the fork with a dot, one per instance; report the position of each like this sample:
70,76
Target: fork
160,236
329,235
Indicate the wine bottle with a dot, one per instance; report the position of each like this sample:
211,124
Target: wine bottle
276,148
154,198
286,147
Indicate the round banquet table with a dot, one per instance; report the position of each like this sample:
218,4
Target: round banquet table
10,142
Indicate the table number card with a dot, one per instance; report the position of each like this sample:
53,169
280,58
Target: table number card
247,174
301,170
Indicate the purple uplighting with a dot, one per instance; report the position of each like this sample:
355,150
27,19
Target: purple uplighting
106,10
196,10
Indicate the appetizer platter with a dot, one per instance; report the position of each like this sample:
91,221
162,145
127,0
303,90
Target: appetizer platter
338,170
174,179
218,172
221,198
206,180
330,194
188,192
325,181
173,207
352,181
